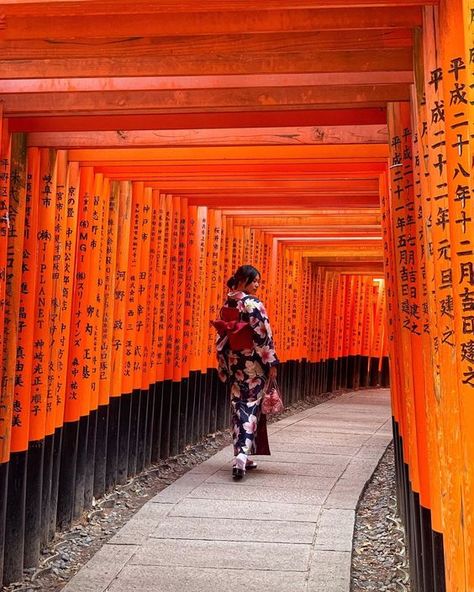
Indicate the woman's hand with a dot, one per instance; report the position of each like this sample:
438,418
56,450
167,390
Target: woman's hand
272,373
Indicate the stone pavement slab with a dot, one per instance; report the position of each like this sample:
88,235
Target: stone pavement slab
229,529
288,525
223,554
139,578
274,495
246,509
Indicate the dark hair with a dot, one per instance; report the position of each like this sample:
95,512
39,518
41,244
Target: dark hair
245,273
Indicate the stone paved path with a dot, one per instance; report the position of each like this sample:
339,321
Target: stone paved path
287,526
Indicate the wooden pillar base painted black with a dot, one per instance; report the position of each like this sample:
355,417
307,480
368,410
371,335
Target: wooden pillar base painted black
33,503
150,424
67,474
426,548
333,383
308,379
198,389
319,377
47,483
101,450
166,419
90,466
439,575
3,511
344,372
374,372
157,423
329,376
112,443
385,372
174,418
191,416
206,404
81,467
288,385
416,538
303,365
123,438
295,380
289,382
183,438
363,371
323,376
57,440
200,397
357,364
142,429
133,435
210,400
350,371
313,378
15,518
398,465
213,401
282,382
298,381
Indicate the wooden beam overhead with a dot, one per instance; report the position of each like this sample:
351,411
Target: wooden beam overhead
330,220
364,134
220,154
208,63
215,120
98,7
273,170
274,200
237,185
320,233
366,220
209,99
141,46
85,24
282,213
147,83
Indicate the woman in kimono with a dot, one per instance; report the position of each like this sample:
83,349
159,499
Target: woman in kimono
246,371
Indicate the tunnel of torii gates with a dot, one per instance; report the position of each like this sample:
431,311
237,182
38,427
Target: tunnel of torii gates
147,150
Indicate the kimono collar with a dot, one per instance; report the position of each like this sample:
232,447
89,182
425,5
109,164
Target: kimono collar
237,295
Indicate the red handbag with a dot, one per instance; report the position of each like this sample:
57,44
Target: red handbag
272,402
238,332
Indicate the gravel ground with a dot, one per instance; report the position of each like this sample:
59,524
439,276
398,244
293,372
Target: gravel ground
72,549
379,560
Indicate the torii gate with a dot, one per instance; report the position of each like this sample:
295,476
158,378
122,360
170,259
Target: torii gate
149,148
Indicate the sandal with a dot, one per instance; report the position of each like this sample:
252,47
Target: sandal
237,474
250,465
238,470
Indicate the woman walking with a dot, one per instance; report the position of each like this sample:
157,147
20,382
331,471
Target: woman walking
246,360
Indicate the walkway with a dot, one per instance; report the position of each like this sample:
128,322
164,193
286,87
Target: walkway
287,526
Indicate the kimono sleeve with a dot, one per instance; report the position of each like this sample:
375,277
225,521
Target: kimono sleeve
222,367
262,332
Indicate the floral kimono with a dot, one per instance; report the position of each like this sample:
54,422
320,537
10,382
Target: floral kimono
246,371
